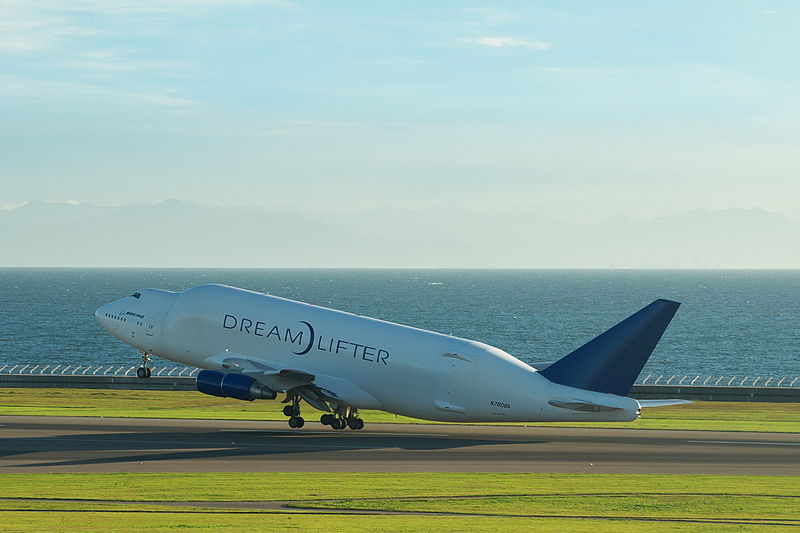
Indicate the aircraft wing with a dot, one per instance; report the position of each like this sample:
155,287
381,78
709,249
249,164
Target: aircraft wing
284,380
320,391
249,366
662,403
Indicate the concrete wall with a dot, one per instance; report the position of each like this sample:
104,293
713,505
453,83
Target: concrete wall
96,382
716,394
642,392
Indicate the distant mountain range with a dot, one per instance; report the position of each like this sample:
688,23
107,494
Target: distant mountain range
176,233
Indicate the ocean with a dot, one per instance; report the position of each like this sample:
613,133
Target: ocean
732,322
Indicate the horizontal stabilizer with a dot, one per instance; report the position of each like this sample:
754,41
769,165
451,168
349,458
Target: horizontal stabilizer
583,406
612,361
662,403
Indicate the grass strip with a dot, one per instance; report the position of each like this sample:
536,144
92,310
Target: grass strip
259,486
518,502
39,520
724,507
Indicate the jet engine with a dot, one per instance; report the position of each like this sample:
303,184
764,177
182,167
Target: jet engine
233,385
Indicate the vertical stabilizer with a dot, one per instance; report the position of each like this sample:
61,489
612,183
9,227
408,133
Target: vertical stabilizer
612,361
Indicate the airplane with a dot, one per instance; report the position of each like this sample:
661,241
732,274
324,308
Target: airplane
254,346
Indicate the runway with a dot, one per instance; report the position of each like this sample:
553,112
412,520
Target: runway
73,444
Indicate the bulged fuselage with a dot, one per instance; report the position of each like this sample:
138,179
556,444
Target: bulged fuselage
367,363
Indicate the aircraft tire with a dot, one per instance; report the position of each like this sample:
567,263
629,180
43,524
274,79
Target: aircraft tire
336,423
299,422
141,372
288,410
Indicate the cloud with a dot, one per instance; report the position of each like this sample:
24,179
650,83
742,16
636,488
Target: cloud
12,85
581,73
769,12
123,60
499,42
491,15
31,34
148,6
46,25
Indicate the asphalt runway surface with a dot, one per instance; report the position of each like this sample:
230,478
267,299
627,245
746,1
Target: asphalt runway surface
73,444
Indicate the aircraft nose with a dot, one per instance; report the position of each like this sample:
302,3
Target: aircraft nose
103,314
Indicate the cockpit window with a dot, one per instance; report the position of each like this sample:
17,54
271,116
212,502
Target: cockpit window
137,295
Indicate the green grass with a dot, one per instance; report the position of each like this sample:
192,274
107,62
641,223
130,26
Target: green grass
720,416
345,485
685,506
516,502
238,522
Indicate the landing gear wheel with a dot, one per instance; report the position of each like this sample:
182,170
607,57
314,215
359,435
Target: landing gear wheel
337,423
355,423
293,411
144,370
326,419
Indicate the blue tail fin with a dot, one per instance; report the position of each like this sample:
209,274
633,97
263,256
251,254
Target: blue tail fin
612,361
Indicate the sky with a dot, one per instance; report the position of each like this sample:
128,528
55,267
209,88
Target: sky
344,106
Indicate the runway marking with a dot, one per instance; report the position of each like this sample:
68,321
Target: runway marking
194,444
404,434
752,443
389,433
271,431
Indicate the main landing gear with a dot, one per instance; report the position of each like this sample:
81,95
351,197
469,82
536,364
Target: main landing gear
293,412
342,418
144,371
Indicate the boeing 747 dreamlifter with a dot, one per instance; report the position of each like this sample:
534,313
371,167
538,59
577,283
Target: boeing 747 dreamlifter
254,346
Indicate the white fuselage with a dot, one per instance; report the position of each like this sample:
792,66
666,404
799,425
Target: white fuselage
369,363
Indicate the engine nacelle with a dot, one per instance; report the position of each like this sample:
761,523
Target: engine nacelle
232,385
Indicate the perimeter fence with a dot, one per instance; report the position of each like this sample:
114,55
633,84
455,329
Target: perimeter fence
94,370
677,380
181,378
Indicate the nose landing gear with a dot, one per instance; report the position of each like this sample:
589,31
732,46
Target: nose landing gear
144,371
